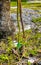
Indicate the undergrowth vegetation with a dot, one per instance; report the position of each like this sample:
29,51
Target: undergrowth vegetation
12,51
37,21
12,54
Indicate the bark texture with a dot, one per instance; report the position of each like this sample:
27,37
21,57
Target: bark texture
5,22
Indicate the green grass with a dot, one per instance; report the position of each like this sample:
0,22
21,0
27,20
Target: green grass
37,21
25,4
34,6
32,44
13,4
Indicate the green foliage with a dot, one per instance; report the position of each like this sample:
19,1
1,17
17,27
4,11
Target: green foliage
31,42
33,52
10,45
22,0
19,45
28,63
35,20
10,42
4,57
13,4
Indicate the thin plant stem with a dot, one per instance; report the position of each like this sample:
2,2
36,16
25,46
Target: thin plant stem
20,8
18,19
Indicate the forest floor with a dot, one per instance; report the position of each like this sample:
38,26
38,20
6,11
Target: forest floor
28,49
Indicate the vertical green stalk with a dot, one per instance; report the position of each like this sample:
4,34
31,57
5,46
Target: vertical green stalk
20,10
18,19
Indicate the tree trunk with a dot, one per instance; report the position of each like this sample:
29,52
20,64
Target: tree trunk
5,21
